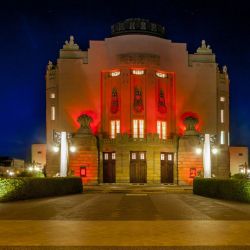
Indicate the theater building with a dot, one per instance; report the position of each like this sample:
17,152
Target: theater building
137,108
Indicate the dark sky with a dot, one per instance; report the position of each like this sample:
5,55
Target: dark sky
32,32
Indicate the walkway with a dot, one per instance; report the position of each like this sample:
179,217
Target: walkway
113,220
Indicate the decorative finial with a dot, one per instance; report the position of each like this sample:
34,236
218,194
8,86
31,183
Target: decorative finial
224,69
50,65
70,45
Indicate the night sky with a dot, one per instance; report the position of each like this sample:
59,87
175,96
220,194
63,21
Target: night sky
32,32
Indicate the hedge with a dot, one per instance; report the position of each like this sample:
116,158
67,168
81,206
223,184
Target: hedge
21,188
229,189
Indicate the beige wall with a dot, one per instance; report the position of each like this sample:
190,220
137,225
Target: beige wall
38,154
77,80
238,158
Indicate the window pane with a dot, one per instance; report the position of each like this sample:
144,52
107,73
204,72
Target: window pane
142,156
141,128
53,113
162,157
222,116
118,126
222,137
106,156
170,157
135,128
113,156
164,130
159,128
112,124
133,156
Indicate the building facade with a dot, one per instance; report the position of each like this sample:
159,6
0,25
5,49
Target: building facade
38,154
137,108
239,160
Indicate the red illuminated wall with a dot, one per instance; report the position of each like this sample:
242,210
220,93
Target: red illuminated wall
132,105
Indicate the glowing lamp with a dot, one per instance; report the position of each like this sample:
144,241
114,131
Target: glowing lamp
198,151
11,173
214,151
72,149
30,168
56,149
248,171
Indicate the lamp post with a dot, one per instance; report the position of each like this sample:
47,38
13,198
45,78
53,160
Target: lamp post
208,148
63,143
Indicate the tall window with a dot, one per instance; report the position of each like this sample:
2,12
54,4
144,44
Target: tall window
53,113
222,137
114,128
162,129
222,115
138,128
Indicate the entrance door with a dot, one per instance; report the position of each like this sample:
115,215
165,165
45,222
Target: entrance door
167,166
109,167
138,167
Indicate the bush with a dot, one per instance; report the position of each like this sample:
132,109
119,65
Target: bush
239,176
229,189
21,188
27,173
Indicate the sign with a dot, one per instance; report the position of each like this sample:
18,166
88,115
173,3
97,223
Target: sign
193,173
83,171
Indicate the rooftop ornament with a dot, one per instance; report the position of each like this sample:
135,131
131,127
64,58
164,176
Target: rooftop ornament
204,49
70,45
137,26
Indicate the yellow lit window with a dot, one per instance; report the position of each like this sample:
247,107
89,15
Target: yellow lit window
114,128
115,73
162,129
52,95
222,115
161,75
222,137
138,128
138,71
53,113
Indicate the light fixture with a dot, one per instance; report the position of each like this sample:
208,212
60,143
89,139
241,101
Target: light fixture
56,149
30,168
11,173
72,149
248,171
198,151
214,151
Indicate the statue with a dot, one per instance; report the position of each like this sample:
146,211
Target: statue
50,65
224,69
204,49
71,45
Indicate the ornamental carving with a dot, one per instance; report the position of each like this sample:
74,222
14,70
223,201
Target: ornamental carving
139,59
138,100
161,102
70,45
114,102
190,123
84,121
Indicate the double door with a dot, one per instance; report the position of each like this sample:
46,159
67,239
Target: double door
138,167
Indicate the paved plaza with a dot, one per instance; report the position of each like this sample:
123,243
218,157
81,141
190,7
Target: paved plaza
125,221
